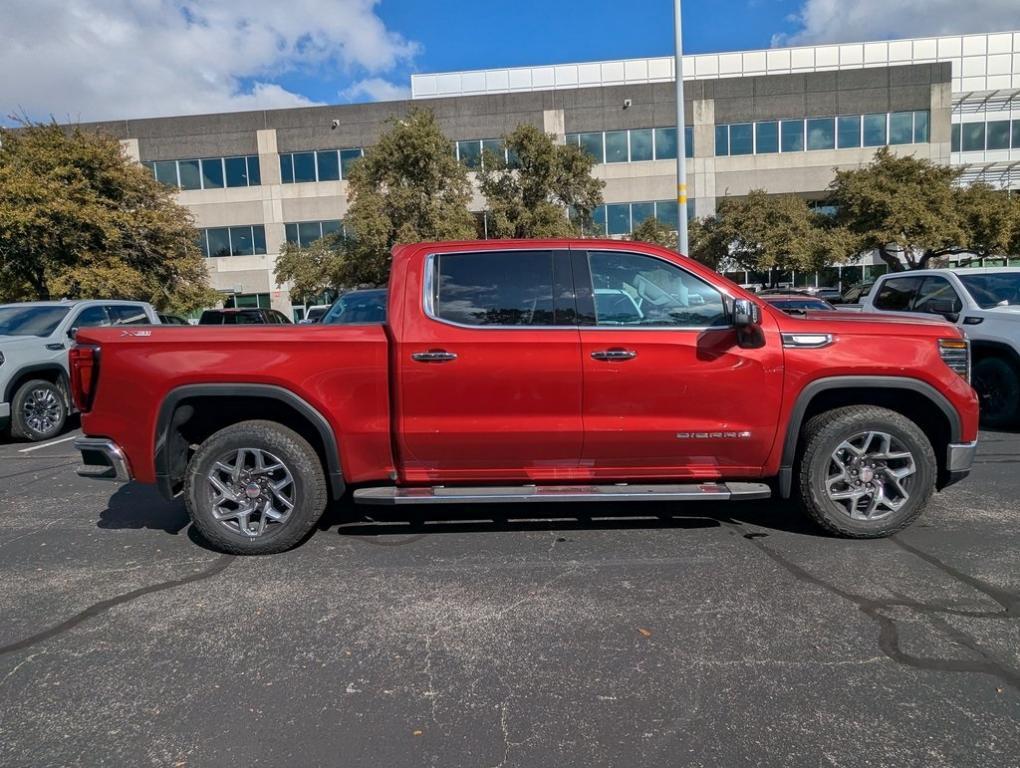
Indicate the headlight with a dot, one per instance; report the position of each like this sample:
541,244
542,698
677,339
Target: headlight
956,354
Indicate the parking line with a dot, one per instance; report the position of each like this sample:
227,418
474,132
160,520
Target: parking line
47,445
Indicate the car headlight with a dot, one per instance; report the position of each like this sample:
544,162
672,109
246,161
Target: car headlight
956,354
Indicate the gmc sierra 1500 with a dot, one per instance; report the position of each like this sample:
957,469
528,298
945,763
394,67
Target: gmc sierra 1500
533,371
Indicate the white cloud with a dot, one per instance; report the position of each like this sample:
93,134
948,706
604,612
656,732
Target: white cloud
376,89
838,21
99,59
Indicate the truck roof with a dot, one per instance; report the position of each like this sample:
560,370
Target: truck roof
954,270
71,302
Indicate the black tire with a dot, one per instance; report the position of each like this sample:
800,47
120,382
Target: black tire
998,386
822,437
38,411
299,459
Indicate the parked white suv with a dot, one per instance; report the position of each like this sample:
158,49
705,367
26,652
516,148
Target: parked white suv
34,338
985,303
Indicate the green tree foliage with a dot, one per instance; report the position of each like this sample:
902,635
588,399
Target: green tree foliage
407,188
653,231
913,212
79,219
532,195
762,232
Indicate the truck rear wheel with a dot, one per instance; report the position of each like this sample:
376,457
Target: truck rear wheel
39,411
998,385
866,472
255,488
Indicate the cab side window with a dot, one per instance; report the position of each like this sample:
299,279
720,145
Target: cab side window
122,314
897,294
937,294
92,317
630,289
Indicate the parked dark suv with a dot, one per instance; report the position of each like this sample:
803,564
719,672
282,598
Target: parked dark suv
249,316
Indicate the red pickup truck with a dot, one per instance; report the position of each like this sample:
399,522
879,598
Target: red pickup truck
554,370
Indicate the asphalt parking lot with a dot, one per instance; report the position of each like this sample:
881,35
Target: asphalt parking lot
717,635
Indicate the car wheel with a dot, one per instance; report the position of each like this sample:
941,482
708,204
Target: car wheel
998,386
38,411
866,472
255,488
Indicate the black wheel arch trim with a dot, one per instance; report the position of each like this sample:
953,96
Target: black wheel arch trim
818,386
994,349
19,377
169,407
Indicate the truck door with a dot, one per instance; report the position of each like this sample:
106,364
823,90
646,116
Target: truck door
488,369
667,390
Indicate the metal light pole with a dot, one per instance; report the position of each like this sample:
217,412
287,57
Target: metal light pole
681,138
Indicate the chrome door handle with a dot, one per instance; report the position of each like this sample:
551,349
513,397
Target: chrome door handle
433,356
614,354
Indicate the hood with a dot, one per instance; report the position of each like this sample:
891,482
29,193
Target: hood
837,319
21,342
1005,312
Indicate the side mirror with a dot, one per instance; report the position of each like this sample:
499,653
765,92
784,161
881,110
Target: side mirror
72,333
746,313
944,307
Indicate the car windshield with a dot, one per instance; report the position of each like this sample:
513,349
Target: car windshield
30,321
315,313
354,308
994,289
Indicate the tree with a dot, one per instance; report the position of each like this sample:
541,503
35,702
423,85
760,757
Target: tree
79,219
653,231
407,188
762,232
538,192
912,211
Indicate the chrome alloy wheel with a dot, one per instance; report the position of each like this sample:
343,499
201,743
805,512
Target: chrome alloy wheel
41,410
870,475
251,490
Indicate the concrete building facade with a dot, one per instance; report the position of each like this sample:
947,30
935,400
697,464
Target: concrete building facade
780,120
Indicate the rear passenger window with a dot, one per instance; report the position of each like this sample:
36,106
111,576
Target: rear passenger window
897,294
496,288
125,315
936,291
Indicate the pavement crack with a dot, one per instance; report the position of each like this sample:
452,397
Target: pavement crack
102,606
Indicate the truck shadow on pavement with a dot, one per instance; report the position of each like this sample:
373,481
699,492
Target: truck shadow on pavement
135,506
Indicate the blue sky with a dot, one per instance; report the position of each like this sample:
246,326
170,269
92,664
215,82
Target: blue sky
81,60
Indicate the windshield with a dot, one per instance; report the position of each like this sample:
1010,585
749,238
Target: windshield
354,308
30,321
1000,289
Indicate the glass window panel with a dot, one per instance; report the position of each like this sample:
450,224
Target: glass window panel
920,127
495,147
149,166
309,232
936,289
512,159
241,243
665,211
897,294
574,139
592,144
331,227
1016,134
496,288
722,140
329,165
219,241
689,141
641,145
166,172
742,139
766,137
347,158
848,131
955,140
237,171
690,209
616,147
665,143
287,169
821,133
901,128
973,137
470,153
304,167
212,173
203,243
874,130
190,173
291,233
259,238
998,134
641,212
792,135
598,220
633,290
618,218
254,171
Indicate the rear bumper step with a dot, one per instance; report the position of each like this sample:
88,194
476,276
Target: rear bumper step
549,493
102,459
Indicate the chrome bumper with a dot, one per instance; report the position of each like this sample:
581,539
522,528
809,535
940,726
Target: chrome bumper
961,456
102,459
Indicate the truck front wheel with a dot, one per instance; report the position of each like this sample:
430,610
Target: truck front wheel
998,385
255,488
866,472
39,411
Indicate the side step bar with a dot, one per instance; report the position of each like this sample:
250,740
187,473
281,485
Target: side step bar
547,493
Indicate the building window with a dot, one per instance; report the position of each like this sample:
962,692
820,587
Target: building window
323,165
233,241
973,137
813,133
742,139
592,144
207,173
875,130
618,218
955,140
304,167
623,218
304,233
901,128
328,165
998,134
616,147
641,145
848,131
792,136
1016,134
722,140
821,133
766,137
920,127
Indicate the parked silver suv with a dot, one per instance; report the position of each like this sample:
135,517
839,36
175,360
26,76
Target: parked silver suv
34,338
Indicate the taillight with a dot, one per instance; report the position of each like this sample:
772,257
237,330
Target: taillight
956,354
83,361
